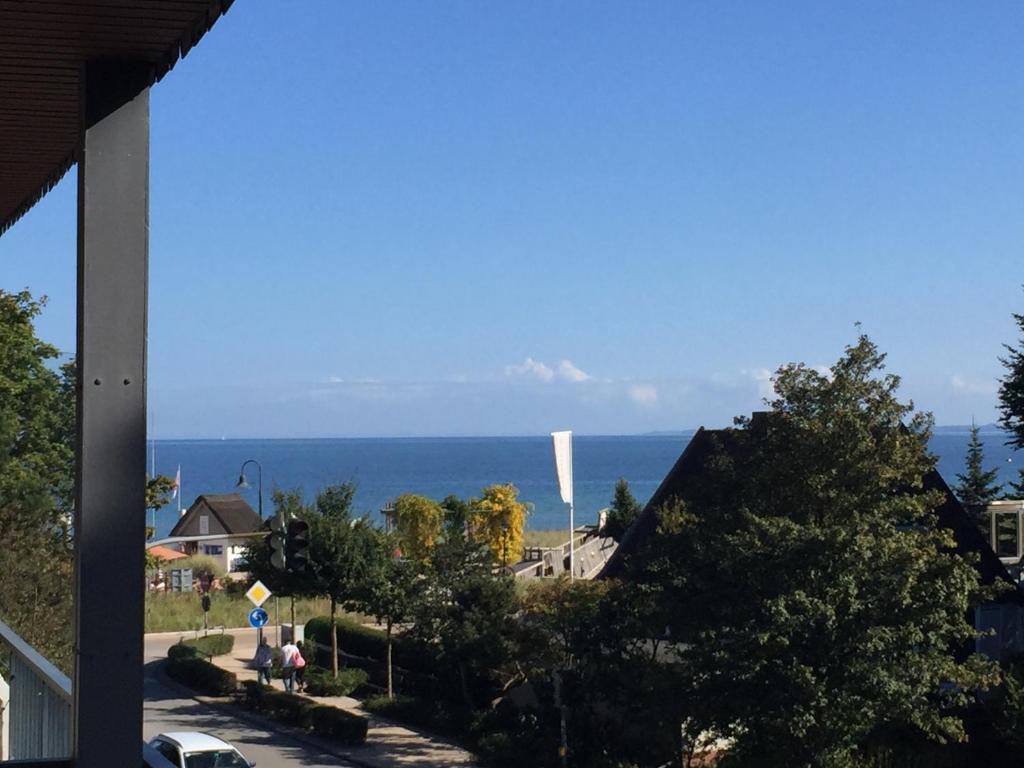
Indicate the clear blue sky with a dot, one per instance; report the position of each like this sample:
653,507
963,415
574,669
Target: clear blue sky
401,218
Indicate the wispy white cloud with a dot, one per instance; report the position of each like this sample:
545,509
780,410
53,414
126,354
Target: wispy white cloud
645,395
763,378
967,386
569,372
530,368
565,370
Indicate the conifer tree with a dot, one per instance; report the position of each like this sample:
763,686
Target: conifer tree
622,512
1011,390
1011,399
976,487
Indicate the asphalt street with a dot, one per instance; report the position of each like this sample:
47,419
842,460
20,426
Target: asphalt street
167,710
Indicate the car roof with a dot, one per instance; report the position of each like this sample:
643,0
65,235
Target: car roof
194,741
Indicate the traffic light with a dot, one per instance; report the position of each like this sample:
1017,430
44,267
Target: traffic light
276,543
297,546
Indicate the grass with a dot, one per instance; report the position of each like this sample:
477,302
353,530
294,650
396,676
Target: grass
166,612
545,538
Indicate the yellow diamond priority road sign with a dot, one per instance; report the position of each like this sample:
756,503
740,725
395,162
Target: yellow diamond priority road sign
258,594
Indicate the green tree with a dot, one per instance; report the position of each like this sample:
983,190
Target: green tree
812,600
341,551
464,615
388,591
455,515
1011,399
36,482
158,490
418,522
623,511
283,583
976,487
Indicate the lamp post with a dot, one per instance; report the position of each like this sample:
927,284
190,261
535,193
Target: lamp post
243,484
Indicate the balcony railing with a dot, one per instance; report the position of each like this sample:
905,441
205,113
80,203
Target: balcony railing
36,718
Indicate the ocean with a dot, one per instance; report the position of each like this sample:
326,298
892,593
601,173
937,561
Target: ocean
383,468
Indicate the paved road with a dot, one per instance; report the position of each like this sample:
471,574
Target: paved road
166,710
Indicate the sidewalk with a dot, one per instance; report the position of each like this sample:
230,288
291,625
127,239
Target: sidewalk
387,743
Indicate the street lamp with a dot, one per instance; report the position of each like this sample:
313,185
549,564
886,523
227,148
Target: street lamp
243,484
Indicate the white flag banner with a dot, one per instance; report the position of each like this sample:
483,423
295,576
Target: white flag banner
177,483
563,463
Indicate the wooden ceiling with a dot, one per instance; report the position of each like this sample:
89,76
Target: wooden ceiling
44,45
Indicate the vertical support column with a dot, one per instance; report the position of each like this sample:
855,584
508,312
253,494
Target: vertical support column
113,237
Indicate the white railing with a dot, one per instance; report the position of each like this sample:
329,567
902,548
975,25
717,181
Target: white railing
37,715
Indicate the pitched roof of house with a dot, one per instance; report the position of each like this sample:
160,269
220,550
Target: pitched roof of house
165,553
690,465
226,513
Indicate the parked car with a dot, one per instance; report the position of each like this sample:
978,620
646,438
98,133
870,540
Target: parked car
191,749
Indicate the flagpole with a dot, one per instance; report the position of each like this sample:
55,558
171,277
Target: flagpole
572,544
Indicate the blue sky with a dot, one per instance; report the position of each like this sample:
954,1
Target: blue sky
480,218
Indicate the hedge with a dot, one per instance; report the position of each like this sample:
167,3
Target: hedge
212,645
201,675
358,640
432,715
322,683
330,722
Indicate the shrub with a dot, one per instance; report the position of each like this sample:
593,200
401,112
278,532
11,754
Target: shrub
320,682
201,675
212,645
182,651
338,725
201,565
329,722
431,715
358,640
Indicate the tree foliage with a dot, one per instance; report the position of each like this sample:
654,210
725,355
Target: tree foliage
623,511
976,486
498,519
36,481
418,522
388,590
1011,389
811,599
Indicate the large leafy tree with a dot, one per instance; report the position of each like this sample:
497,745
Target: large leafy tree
388,590
418,522
342,550
498,520
977,486
623,511
1011,398
810,596
36,481
463,615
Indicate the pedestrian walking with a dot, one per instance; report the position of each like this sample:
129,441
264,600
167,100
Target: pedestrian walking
300,668
288,653
263,661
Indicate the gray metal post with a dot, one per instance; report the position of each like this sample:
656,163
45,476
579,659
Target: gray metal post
113,231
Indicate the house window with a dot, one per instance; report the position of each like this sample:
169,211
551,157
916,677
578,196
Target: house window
1007,534
204,525
214,549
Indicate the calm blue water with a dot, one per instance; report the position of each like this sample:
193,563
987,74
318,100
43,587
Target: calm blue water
386,467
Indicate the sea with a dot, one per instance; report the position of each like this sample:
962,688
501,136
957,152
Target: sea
383,468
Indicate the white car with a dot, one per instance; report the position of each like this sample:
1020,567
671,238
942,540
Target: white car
191,749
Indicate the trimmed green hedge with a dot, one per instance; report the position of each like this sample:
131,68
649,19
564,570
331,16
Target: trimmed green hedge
329,722
358,640
320,682
212,645
431,715
201,675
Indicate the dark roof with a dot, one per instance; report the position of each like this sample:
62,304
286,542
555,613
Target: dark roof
228,513
691,464
44,45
